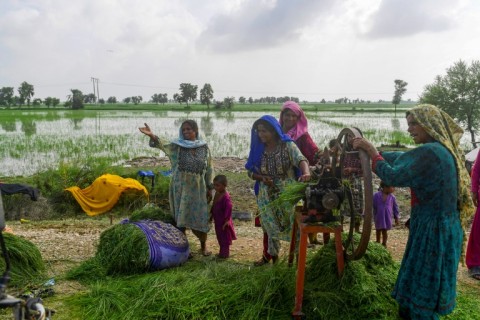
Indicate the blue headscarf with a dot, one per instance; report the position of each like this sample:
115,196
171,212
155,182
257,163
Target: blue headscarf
190,144
257,146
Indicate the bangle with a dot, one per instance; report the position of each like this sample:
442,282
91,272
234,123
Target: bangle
378,157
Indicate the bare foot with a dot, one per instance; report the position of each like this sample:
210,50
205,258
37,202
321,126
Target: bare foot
206,253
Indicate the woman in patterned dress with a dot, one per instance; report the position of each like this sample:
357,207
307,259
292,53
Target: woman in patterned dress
191,182
272,162
441,205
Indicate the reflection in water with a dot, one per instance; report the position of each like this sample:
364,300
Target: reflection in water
230,117
396,124
116,136
76,123
28,127
206,125
9,126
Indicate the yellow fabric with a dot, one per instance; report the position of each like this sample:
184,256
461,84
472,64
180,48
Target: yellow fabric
104,193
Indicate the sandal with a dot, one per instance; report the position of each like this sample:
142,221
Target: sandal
261,262
475,273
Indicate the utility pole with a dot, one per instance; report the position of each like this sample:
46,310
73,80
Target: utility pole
97,92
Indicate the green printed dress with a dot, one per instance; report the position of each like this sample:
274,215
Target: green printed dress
280,164
426,282
192,174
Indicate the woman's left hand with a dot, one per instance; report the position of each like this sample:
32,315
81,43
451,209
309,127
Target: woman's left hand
304,177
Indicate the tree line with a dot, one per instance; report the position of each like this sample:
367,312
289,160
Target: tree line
457,92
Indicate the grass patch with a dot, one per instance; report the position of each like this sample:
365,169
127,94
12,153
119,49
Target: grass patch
26,263
209,289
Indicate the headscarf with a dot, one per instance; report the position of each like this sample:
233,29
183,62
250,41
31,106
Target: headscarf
302,126
442,128
257,146
190,144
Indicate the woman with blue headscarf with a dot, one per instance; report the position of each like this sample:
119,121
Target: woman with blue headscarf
274,160
191,182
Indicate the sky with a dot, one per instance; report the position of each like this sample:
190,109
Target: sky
309,49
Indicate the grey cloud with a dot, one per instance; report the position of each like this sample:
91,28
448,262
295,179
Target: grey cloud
401,18
255,26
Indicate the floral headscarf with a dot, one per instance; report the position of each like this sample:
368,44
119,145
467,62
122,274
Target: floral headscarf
302,126
442,128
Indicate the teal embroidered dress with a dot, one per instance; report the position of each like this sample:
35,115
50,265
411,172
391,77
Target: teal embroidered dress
191,174
426,282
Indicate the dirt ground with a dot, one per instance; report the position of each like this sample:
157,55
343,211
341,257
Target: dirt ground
65,244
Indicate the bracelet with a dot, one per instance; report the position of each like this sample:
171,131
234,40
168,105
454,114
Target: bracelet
378,157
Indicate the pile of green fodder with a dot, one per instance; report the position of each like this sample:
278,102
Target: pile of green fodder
123,249
209,289
26,264
362,293
152,212
204,289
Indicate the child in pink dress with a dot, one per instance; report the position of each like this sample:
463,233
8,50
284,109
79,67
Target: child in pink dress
222,216
384,207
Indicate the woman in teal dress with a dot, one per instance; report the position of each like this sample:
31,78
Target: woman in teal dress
436,175
274,161
191,182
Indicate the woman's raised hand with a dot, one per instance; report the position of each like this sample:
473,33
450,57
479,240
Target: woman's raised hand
146,130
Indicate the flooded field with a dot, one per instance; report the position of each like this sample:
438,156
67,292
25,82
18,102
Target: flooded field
32,141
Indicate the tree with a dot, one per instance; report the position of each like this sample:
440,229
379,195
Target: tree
250,100
37,102
188,92
112,100
75,100
242,100
90,98
55,102
160,98
206,95
127,100
7,96
48,101
229,102
26,92
136,99
458,94
163,98
400,89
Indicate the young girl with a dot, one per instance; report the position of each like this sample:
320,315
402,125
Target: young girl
384,206
222,216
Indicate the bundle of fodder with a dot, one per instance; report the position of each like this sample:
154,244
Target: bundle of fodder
26,264
362,293
152,212
141,246
206,289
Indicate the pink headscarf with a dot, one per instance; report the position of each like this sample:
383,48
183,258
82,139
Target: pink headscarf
302,127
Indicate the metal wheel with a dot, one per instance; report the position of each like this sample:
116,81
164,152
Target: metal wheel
358,205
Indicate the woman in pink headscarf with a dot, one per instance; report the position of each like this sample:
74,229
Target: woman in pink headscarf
294,123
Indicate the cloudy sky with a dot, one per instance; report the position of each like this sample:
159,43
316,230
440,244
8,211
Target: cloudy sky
311,49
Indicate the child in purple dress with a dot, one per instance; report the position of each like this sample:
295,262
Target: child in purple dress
222,216
384,207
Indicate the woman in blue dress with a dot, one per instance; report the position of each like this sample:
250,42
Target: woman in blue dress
436,175
273,162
